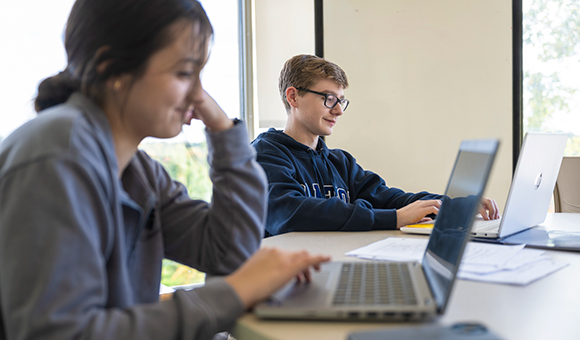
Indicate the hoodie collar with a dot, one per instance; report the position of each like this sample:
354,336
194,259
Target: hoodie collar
321,149
280,136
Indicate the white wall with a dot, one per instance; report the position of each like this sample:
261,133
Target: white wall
423,75
283,30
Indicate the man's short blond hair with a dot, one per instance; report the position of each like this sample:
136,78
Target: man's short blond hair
303,70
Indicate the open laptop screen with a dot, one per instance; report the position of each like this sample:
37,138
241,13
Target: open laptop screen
459,207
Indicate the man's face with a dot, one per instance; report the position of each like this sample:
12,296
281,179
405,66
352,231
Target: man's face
311,115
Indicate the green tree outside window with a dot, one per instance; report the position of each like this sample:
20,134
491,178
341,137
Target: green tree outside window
551,50
188,165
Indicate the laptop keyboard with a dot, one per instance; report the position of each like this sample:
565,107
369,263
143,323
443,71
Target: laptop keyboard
483,225
376,283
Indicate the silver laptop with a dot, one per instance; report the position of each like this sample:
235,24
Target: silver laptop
397,291
531,190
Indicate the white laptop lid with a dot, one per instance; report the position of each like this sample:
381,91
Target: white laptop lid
529,197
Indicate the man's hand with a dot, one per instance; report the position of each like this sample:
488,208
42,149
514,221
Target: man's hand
488,209
416,211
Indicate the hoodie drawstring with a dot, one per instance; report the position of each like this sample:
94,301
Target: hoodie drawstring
319,176
317,172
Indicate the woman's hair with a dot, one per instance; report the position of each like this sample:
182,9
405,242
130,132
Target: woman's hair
304,70
120,34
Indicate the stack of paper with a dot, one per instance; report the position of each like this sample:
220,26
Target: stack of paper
481,261
163,289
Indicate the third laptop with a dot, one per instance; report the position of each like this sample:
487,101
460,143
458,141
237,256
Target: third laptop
531,190
380,290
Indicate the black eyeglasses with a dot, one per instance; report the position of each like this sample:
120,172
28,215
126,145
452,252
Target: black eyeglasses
330,100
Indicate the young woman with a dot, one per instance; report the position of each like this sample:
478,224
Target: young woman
86,218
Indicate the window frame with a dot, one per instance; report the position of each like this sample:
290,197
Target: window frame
518,80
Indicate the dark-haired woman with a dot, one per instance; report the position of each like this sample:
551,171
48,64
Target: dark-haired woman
86,218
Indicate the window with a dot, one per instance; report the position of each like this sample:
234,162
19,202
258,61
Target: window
551,65
185,156
32,39
32,49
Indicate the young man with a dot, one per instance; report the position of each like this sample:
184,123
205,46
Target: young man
313,188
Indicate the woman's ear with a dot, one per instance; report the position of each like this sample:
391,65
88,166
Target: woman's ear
120,84
115,84
102,66
291,96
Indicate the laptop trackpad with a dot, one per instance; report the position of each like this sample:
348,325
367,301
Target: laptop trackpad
300,294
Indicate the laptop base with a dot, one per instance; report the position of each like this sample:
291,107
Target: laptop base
314,300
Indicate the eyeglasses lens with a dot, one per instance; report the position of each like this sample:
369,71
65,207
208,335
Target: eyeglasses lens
331,102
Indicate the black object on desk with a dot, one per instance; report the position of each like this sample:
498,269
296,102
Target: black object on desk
458,331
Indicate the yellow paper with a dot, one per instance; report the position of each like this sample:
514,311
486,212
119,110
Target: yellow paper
422,225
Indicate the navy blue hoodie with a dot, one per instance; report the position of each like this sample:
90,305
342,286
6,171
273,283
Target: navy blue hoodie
323,189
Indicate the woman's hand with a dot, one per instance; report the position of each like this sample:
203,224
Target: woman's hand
206,109
268,270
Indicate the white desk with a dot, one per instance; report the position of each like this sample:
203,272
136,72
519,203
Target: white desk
546,309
